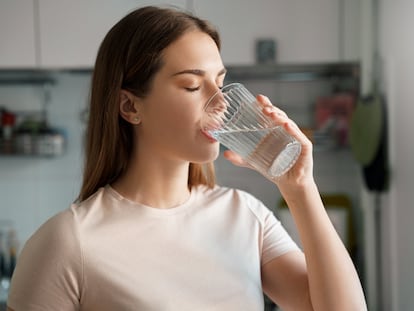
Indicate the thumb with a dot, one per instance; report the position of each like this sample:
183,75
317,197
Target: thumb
235,158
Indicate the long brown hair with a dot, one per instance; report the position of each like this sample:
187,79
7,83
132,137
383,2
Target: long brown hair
128,58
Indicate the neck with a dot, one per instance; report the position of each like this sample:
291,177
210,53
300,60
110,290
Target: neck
155,183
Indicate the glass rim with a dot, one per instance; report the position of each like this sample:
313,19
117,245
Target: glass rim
224,89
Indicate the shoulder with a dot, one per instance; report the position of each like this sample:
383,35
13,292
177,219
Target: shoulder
49,267
223,192
58,235
56,230
235,199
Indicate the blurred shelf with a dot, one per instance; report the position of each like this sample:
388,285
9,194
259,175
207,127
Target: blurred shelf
36,76
25,77
293,72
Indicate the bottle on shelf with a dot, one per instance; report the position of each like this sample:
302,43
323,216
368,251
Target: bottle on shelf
8,121
13,245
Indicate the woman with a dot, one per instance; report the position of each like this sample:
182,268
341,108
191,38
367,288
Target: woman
150,229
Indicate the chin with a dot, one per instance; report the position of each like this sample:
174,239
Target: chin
208,156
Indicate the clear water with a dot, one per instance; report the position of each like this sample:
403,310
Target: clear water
270,150
236,120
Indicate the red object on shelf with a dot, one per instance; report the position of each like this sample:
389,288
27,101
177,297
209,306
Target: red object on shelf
8,119
333,115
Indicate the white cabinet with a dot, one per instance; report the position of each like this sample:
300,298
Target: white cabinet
17,36
71,31
53,34
304,31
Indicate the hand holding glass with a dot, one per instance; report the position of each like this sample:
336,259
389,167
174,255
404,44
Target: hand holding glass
235,119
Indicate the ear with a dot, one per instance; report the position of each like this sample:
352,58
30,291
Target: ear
129,107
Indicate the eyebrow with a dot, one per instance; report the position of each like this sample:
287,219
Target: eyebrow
198,72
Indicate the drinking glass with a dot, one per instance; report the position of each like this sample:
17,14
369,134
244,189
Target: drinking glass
234,118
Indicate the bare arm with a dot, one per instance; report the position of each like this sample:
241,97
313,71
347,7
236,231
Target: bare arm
333,281
285,281
332,278
325,278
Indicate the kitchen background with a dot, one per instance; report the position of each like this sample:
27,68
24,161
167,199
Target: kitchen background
318,49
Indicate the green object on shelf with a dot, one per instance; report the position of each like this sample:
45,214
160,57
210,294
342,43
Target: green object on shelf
366,129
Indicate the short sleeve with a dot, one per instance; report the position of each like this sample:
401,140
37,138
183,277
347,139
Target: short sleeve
276,240
48,274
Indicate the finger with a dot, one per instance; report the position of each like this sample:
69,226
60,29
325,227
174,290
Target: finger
268,107
275,111
234,158
264,101
280,117
293,129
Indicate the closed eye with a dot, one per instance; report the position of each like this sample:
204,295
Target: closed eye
192,89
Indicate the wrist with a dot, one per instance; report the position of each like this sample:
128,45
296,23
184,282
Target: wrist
298,190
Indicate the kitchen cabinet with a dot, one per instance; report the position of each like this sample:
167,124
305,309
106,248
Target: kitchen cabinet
71,31
17,35
307,32
59,34
52,34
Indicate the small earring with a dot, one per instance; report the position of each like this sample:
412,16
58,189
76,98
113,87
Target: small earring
136,119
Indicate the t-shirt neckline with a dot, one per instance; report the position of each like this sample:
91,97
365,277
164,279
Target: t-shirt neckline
149,209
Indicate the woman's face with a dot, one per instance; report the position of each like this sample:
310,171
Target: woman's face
170,114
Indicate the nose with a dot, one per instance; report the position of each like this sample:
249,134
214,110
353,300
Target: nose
216,103
215,110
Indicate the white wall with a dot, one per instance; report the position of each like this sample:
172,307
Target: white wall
305,31
397,48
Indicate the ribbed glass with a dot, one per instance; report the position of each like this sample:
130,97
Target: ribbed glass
235,119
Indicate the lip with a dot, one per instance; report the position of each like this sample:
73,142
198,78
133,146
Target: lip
208,136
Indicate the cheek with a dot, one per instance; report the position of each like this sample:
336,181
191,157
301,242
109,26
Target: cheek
170,126
179,115
170,110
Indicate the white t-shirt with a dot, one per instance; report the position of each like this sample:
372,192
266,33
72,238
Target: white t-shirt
109,253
